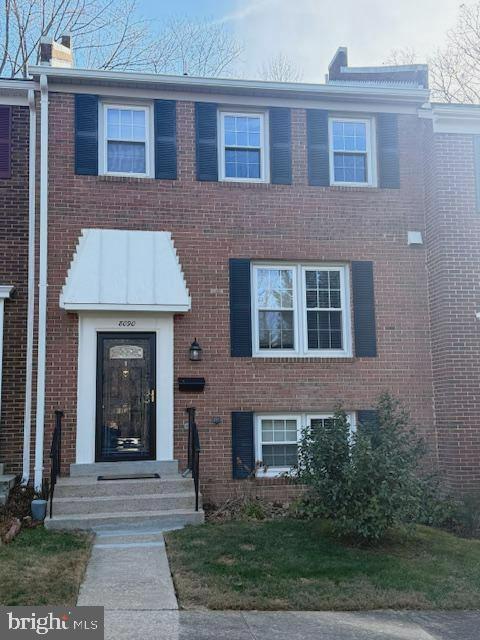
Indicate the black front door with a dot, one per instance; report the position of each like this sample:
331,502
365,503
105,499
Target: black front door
126,387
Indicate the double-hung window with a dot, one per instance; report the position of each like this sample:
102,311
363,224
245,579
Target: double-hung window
277,437
242,147
351,149
275,295
126,143
301,310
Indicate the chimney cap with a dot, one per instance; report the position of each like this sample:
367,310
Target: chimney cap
56,54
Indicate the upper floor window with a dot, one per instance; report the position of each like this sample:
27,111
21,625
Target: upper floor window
301,310
351,150
126,140
242,147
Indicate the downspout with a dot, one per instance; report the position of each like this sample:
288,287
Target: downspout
42,285
27,419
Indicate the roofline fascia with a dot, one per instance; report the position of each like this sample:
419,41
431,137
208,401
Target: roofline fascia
398,68
455,110
453,118
15,92
59,74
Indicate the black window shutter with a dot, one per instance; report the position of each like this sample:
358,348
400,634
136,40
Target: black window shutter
388,159
280,145
240,308
243,457
364,310
206,141
5,141
317,144
368,423
476,147
86,134
165,123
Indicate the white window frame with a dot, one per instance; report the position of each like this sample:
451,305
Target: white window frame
303,420
371,152
300,332
264,145
103,139
256,309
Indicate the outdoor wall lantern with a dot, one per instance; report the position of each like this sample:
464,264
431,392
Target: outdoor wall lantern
195,351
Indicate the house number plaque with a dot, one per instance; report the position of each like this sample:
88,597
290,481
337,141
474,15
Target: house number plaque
127,323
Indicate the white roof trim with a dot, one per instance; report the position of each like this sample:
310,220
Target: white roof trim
15,92
5,291
456,118
114,270
222,85
397,68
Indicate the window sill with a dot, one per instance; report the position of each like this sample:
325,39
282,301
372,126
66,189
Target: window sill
275,472
243,181
302,358
125,178
353,187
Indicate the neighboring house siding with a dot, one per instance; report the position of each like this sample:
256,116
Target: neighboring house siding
212,222
453,232
13,271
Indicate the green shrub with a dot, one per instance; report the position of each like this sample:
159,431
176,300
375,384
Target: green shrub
465,519
368,481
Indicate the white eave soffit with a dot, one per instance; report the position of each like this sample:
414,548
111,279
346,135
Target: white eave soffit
115,270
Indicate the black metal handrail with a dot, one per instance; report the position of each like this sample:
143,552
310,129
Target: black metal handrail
193,452
55,455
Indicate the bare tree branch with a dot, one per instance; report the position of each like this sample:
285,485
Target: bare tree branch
280,68
111,34
402,56
455,67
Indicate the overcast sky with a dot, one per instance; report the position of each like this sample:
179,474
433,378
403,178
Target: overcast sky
309,31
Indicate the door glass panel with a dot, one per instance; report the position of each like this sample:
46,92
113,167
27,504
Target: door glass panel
127,397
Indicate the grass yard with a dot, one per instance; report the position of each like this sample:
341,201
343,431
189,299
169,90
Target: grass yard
43,567
293,564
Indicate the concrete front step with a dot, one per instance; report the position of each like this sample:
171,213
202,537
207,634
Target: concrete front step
162,467
135,520
123,504
6,483
86,487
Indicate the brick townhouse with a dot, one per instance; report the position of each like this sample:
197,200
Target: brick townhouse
258,250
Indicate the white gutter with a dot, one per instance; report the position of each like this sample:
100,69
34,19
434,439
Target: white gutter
69,75
42,285
27,418
5,292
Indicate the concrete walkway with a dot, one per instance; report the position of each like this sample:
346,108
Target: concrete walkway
129,575
128,570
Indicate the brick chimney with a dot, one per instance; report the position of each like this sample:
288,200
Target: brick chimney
407,74
57,54
340,59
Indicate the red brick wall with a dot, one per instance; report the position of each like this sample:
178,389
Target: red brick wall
212,222
453,233
13,271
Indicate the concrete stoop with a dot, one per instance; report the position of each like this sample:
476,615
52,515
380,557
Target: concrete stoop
81,501
7,482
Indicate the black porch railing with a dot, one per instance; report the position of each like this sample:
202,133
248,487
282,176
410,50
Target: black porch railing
55,455
193,452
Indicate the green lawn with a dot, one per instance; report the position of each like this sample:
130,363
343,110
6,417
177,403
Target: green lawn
293,564
43,567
